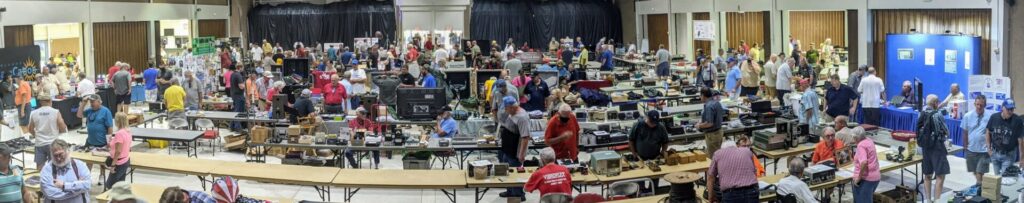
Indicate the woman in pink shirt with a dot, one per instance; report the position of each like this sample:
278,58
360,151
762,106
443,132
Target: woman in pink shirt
866,174
120,146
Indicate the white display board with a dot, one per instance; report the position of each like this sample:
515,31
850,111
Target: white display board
995,88
337,45
703,30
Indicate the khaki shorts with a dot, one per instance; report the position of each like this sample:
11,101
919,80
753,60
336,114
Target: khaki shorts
713,140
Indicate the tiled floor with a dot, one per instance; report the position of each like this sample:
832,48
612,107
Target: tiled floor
957,180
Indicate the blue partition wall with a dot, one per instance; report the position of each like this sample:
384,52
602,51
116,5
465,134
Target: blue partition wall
935,77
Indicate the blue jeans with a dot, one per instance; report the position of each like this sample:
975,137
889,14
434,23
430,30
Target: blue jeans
238,105
355,102
120,173
513,162
746,195
1001,161
864,192
352,160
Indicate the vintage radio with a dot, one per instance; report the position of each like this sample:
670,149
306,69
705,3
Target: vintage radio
501,169
373,141
649,81
606,163
444,142
599,115
782,128
629,115
768,140
612,115
819,173
581,116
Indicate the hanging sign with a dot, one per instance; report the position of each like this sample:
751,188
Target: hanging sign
703,30
203,45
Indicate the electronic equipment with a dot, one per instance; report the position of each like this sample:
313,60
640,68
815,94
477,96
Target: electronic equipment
420,103
612,115
628,107
444,142
653,165
782,128
606,163
819,173
604,137
501,169
581,115
761,106
373,141
628,115
298,66
769,140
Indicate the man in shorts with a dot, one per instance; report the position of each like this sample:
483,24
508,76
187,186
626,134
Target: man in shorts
122,88
974,124
932,125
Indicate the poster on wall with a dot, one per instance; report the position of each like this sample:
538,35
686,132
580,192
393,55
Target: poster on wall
995,88
967,60
950,61
929,57
703,30
19,61
906,54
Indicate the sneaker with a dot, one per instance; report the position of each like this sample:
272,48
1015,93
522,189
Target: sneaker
503,194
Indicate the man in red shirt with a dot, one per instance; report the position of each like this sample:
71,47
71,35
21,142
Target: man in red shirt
334,96
225,58
562,133
551,178
412,55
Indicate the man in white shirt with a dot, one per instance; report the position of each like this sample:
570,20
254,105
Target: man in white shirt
792,184
770,73
784,80
358,80
45,124
256,51
872,92
954,97
439,54
85,86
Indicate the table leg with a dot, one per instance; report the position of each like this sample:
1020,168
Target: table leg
451,195
776,164
480,194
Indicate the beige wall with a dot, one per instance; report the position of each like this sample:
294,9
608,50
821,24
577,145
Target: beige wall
628,13
1015,47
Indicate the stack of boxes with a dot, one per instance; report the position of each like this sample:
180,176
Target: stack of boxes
990,187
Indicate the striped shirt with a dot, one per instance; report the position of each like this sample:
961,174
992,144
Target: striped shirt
200,197
11,184
733,168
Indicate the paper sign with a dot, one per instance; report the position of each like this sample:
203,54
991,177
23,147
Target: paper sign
703,30
950,60
929,57
995,88
967,60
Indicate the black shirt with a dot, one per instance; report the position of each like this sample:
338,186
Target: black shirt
407,79
166,76
839,100
278,56
1005,133
236,89
647,141
303,107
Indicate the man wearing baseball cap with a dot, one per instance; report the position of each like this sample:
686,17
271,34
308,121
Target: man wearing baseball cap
732,79
649,139
45,124
515,137
501,89
11,182
1004,132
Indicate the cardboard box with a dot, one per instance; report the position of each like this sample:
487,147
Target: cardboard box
306,139
260,134
234,142
991,183
699,156
294,130
994,196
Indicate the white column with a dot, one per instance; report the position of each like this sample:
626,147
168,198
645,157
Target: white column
864,36
996,38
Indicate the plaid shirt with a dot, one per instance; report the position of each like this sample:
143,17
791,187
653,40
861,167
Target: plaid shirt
200,197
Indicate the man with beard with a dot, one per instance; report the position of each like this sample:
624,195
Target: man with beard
63,179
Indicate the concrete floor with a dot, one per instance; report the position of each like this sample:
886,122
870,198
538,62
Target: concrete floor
959,179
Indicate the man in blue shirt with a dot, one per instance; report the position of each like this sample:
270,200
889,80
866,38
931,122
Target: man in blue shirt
974,124
150,77
446,126
607,64
537,91
809,103
99,121
346,58
332,53
732,79
64,179
428,79
840,100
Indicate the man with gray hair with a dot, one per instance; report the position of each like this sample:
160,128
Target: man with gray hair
792,184
550,177
194,90
910,98
63,179
784,80
122,82
854,79
932,136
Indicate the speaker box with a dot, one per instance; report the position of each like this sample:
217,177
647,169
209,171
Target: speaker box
277,106
296,65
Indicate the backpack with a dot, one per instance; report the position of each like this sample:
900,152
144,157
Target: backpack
931,130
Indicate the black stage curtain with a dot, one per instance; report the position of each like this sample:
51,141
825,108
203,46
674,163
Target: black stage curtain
334,22
536,21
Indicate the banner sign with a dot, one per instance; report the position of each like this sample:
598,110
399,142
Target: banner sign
19,61
703,30
203,45
996,89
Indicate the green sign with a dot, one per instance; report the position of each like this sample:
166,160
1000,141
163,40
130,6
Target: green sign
203,45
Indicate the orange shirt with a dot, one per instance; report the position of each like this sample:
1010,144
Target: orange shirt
250,89
760,168
23,94
822,150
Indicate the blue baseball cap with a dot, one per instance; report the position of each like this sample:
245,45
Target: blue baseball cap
732,60
499,83
509,101
653,115
1009,104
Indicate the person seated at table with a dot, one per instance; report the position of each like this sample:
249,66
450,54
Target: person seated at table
562,133
362,122
303,107
909,97
178,195
954,97
64,179
446,126
334,96
550,177
826,149
792,183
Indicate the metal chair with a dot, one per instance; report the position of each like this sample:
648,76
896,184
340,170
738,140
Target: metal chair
210,132
177,124
556,198
626,189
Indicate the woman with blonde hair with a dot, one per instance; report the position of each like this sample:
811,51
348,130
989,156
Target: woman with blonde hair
120,147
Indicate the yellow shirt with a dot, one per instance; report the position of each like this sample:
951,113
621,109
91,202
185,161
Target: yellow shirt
487,88
584,57
756,55
175,97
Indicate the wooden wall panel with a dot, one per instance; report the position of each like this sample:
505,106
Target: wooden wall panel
212,2
932,21
213,28
700,44
747,26
854,40
816,26
657,31
121,41
66,45
18,36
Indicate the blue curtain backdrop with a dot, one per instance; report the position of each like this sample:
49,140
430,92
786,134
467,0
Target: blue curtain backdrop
309,23
935,77
537,21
